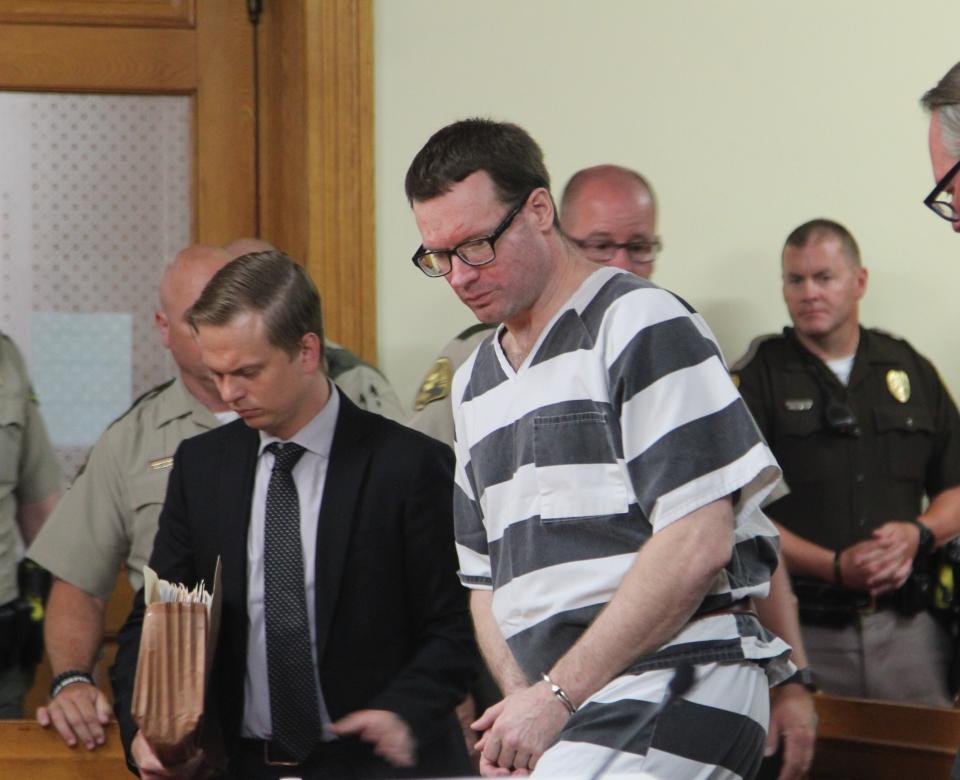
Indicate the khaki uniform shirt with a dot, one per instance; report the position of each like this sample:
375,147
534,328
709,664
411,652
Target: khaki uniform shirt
433,408
109,515
362,383
29,471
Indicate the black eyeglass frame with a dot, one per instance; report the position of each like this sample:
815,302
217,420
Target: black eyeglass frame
655,244
490,238
931,201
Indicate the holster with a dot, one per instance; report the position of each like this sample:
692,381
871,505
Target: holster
14,633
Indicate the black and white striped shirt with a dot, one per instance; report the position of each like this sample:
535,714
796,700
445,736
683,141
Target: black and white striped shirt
621,420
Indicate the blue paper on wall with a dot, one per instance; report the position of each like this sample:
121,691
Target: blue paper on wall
81,368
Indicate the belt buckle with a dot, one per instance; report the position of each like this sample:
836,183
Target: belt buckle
268,761
870,608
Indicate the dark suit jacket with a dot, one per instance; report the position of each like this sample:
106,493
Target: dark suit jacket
393,629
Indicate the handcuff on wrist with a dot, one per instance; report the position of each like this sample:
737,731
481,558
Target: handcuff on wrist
561,694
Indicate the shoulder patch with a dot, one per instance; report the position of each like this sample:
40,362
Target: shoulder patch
436,384
474,329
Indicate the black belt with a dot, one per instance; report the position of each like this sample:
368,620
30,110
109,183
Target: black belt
269,753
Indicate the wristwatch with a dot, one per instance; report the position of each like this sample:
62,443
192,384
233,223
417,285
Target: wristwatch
803,677
927,541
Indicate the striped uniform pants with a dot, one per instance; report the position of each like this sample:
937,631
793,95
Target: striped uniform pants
717,729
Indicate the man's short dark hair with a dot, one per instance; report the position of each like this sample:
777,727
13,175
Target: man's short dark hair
817,230
508,154
266,283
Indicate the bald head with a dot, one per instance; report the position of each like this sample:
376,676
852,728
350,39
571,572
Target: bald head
183,280
245,246
608,204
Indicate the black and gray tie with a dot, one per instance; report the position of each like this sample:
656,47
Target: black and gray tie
294,706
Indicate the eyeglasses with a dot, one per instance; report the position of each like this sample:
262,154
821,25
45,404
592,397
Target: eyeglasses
473,251
943,208
600,250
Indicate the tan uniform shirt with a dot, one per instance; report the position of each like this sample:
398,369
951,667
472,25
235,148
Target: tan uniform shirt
29,471
433,408
109,515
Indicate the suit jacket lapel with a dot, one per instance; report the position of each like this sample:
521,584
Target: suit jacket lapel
346,473
238,465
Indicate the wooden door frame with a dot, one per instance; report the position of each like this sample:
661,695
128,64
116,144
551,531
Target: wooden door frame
316,152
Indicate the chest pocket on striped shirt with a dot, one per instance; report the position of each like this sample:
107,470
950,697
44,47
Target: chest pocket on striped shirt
577,472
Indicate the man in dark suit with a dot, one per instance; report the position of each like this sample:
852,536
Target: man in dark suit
345,642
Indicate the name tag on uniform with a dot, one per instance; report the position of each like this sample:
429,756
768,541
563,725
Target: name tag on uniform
161,463
798,404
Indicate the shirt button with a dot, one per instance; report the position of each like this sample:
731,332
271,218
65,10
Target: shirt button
909,422
863,521
859,477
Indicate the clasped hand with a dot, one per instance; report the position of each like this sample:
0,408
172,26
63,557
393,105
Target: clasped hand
518,729
882,563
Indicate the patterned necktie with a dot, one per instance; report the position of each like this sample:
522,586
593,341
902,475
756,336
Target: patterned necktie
294,706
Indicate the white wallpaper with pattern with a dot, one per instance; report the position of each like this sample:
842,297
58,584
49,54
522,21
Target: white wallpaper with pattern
95,196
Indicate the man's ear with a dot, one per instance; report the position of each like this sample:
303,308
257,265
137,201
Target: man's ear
311,352
162,324
542,208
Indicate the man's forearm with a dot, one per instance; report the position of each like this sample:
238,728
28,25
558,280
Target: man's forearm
500,661
73,628
805,558
672,573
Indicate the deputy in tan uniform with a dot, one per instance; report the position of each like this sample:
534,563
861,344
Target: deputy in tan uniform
29,487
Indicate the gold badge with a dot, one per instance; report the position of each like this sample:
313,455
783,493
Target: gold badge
436,384
898,383
161,463
735,378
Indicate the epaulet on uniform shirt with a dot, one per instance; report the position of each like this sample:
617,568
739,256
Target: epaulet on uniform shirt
340,360
752,350
151,393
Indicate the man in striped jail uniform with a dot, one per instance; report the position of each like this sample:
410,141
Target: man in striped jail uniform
608,487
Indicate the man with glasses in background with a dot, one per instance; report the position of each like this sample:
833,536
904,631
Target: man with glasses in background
607,490
863,429
943,103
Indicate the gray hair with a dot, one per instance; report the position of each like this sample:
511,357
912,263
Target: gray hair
944,101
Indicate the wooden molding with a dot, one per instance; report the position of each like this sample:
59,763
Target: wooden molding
52,58
113,13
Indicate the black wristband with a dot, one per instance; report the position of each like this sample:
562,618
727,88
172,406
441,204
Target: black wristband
66,678
837,570
927,541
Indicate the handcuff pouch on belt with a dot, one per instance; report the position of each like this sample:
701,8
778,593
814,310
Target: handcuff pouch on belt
21,620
